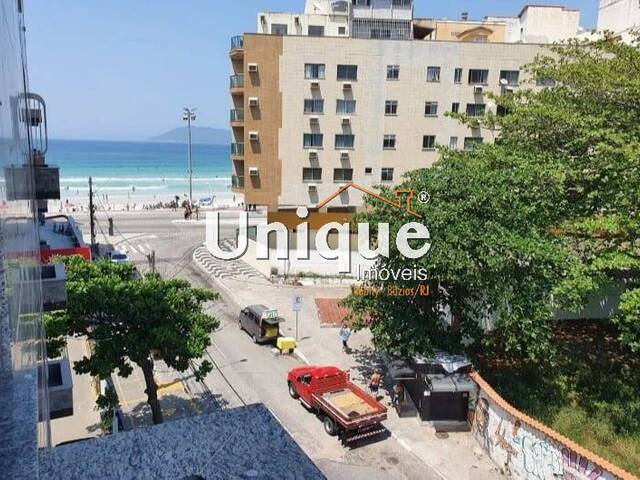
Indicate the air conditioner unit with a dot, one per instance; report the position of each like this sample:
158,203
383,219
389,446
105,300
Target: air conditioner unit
314,119
344,155
253,136
506,90
478,90
342,185
346,121
346,86
263,19
253,102
296,20
253,67
313,187
315,85
253,171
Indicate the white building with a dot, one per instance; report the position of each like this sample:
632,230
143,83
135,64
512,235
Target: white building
619,16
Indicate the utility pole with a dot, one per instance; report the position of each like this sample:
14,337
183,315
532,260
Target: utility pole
189,114
92,218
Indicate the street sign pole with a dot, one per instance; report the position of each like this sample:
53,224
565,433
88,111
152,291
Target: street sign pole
296,327
296,306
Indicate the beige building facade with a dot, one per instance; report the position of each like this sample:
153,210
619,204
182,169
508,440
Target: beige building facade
313,114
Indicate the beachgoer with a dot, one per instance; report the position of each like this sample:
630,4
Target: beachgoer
345,333
374,381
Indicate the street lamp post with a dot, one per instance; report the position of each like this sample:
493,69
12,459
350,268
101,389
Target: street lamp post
189,114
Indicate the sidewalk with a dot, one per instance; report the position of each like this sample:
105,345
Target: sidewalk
456,457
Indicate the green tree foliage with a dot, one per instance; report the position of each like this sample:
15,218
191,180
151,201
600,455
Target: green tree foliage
541,219
132,320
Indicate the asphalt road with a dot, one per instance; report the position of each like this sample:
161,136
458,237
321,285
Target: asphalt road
248,373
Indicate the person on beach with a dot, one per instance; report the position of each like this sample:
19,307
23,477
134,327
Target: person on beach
345,334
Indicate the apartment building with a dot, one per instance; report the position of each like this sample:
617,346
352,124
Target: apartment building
619,16
356,92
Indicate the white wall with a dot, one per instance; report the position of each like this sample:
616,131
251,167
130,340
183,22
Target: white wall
331,23
618,15
548,24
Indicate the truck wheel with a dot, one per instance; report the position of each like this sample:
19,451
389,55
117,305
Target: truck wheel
329,426
292,391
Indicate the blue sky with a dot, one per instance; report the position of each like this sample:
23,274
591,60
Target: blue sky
123,70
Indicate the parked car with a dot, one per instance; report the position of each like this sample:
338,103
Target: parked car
261,323
118,257
345,409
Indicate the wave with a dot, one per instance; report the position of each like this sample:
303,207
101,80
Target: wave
142,179
109,189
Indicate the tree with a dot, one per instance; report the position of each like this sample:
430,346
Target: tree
133,320
541,219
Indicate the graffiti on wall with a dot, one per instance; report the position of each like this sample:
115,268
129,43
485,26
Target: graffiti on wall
525,453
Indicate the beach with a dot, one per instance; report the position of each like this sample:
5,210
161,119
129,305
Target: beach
139,175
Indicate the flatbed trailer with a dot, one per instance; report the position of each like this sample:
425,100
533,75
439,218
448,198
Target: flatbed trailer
345,409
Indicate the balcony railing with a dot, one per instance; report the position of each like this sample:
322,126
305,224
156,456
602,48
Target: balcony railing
237,149
236,81
236,115
237,42
237,181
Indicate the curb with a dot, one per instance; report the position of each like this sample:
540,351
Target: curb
301,356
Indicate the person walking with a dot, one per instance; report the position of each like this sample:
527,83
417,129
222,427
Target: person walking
374,382
345,333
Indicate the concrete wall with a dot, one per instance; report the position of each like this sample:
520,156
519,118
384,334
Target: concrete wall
543,24
526,449
298,23
618,15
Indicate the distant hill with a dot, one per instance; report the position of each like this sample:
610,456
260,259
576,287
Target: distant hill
208,135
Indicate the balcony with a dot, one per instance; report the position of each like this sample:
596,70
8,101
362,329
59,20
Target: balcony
236,117
237,149
236,84
237,47
237,183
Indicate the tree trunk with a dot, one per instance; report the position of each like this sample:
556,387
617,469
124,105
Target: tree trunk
151,391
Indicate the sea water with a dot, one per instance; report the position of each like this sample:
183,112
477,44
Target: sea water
139,173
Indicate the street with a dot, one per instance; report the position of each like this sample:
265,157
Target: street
246,373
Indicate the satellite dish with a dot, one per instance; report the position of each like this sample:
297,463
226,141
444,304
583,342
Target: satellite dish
503,82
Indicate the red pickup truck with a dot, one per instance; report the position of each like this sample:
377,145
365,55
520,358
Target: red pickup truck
345,409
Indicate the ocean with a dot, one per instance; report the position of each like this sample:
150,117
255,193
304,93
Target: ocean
138,173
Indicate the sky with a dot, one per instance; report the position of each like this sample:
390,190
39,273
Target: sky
123,69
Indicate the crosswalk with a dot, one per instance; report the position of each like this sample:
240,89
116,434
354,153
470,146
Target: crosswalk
224,268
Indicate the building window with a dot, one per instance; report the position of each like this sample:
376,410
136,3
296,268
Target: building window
475,109
453,143
429,142
389,142
478,77
278,29
509,77
314,71
368,170
401,3
501,111
311,174
313,105
433,74
342,30
455,107
362,3
431,109
386,175
347,72
457,75
344,141
471,142
391,107
312,140
345,106
342,174
316,31
393,72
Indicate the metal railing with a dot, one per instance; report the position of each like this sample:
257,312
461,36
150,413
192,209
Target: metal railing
237,181
236,115
236,81
237,42
237,149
